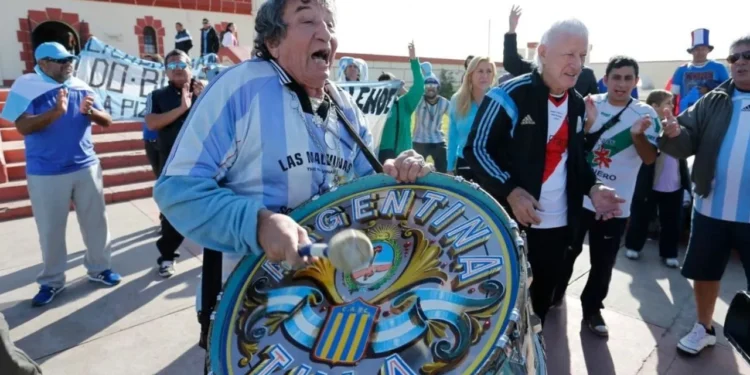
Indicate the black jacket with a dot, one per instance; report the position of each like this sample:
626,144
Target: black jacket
163,100
183,41
518,151
212,39
515,65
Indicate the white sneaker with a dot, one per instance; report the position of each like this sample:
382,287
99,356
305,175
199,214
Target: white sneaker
167,268
632,254
697,339
672,262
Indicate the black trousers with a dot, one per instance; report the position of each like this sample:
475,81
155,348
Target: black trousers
170,239
438,151
152,153
670,220
604,242
211,286
546,250
169,242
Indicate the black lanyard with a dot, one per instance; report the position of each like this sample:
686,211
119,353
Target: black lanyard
589,140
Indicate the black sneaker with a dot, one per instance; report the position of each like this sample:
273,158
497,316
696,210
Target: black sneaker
597,325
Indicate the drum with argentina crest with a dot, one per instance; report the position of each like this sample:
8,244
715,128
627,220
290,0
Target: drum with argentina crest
445,293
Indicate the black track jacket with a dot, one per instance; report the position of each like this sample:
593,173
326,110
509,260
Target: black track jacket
503,154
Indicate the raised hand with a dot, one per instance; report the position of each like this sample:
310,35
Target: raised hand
515,15
669,124
87,104
640,125
412,53
197,87
61,102
187,96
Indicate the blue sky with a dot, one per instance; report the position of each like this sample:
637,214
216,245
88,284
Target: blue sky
644,29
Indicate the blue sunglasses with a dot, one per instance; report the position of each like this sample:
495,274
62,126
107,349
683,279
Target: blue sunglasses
177,65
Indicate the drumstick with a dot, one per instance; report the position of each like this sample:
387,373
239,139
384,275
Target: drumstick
347,250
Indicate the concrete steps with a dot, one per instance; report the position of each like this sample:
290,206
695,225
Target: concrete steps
127,173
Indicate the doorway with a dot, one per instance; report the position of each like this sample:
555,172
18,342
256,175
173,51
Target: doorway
55,31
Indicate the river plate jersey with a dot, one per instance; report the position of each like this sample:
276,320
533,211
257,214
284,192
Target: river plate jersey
614,159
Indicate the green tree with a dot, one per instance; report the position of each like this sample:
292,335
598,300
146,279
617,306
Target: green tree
446,84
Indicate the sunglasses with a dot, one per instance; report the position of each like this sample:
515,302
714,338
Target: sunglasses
177,65
61,61
733,58
431,86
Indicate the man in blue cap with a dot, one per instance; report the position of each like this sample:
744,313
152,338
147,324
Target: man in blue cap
54,110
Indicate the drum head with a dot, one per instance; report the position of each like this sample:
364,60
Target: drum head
436,299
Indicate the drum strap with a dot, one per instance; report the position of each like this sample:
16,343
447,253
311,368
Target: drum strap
366,150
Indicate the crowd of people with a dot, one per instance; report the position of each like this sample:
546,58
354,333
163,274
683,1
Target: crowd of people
566,160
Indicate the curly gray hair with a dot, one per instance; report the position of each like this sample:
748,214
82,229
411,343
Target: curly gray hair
270,27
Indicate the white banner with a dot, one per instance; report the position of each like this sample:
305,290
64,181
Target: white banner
375,99
123,82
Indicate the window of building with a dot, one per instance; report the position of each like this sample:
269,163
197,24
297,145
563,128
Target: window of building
149,40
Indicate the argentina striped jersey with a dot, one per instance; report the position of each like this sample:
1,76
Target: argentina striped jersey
429,121
729,198
251,143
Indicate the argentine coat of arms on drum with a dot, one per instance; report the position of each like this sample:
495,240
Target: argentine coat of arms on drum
437,298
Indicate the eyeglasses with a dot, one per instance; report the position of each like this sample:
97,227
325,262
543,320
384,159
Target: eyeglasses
733,58
430,85
61,61
177,65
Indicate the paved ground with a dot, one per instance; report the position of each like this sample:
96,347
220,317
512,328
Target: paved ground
147,325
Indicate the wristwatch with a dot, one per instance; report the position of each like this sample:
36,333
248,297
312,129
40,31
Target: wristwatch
89,112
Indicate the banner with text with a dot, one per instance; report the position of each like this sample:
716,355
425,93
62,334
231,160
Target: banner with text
375,99
123,81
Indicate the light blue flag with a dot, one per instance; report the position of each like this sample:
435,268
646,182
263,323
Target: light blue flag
31,86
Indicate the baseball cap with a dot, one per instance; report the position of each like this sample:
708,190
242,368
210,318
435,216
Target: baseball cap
52,50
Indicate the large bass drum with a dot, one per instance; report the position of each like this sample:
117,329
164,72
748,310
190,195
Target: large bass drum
445,294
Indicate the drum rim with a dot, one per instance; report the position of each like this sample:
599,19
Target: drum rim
457,185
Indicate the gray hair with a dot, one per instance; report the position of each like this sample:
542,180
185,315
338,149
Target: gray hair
565,27
270,26
744,40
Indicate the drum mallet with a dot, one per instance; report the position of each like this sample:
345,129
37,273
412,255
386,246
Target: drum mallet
347,250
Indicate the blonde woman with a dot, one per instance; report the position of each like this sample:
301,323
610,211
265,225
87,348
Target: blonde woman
480,75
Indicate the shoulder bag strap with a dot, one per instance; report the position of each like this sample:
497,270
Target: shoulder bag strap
589,140
365,150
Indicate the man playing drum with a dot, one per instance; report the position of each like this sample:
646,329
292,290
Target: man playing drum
526,149
266,136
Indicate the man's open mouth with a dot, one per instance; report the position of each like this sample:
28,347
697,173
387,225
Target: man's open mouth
322,55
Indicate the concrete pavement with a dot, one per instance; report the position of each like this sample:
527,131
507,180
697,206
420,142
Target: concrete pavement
147,325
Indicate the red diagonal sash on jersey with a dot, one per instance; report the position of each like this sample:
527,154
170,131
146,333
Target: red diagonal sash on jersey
556,147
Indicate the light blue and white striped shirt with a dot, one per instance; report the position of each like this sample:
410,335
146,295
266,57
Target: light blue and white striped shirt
248,146
429,124
729,198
